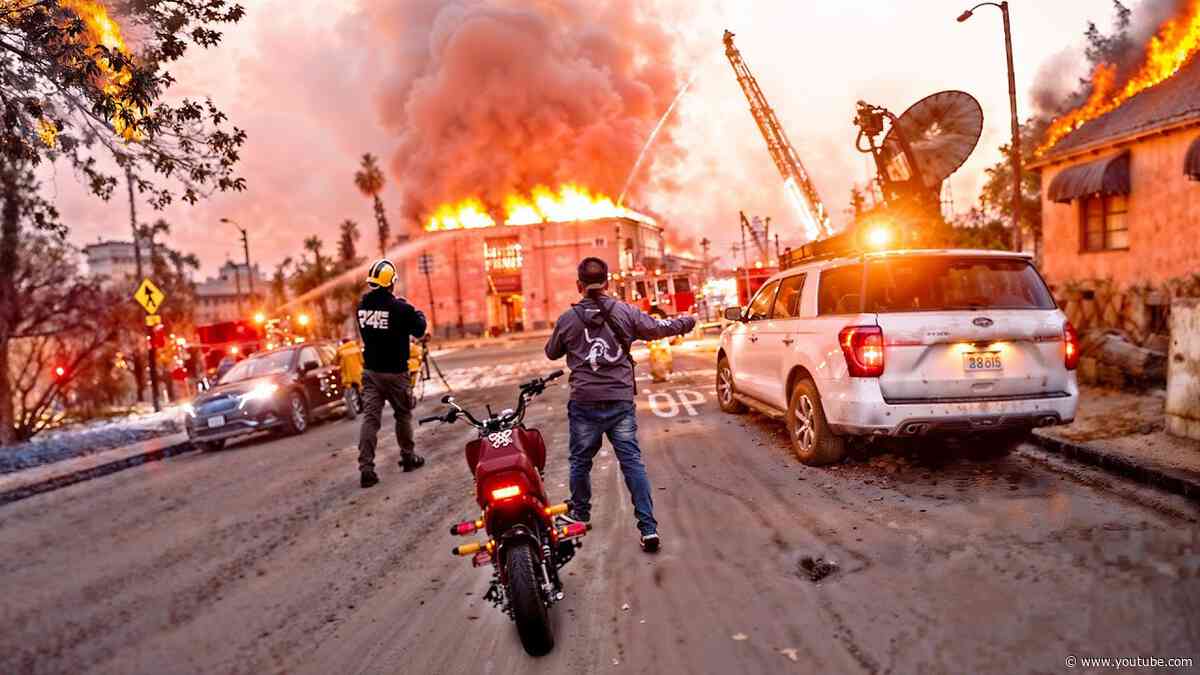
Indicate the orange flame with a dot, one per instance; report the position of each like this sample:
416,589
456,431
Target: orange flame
569,203
1175,43
101,29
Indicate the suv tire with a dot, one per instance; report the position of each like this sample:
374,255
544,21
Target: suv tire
812,440
725,389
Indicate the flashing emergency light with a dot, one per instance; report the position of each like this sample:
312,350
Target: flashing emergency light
879,236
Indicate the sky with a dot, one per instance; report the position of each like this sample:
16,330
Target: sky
296,76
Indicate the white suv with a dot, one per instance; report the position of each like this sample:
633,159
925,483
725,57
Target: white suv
902,343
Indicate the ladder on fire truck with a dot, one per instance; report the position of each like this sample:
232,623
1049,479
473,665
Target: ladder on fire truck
795,178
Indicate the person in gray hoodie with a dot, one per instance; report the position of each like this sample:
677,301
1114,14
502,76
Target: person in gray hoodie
595,335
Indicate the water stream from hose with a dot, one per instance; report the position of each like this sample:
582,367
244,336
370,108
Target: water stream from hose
654,134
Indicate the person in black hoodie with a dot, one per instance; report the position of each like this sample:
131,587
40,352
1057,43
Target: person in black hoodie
386,323
596,335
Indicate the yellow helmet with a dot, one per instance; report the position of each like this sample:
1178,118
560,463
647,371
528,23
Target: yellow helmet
383,273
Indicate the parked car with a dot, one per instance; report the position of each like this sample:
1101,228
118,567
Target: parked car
902,343
283,389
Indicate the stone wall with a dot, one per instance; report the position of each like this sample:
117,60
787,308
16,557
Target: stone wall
1140,312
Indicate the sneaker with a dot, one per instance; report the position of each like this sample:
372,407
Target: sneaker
369,479
571,518
412,463
650,543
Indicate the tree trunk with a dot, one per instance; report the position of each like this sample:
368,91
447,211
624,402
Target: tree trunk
137,257
381,223
8,296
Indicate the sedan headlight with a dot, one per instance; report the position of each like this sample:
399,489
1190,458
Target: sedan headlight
189,410
260,392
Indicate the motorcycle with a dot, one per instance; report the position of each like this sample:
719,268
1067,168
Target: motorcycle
525,547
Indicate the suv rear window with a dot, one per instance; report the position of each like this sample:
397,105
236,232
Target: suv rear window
933,283
840,291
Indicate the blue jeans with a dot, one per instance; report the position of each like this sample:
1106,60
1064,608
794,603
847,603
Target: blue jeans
589,422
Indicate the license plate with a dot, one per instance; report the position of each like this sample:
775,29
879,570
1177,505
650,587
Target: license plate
218,421
982,361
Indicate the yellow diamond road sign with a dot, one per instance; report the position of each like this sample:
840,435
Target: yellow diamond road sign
149,297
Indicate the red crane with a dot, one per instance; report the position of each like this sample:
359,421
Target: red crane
795,178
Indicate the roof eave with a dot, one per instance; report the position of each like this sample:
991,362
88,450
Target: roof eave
1114,141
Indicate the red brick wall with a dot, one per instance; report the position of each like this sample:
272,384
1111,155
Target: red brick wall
551,253
1163,220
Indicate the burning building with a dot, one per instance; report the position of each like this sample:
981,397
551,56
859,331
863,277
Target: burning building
481,274
1119,190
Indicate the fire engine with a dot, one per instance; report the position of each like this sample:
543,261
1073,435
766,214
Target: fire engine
658,292
228,338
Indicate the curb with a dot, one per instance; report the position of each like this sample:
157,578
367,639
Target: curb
57,482
1175,482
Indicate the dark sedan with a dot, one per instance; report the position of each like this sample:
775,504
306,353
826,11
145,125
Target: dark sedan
283,389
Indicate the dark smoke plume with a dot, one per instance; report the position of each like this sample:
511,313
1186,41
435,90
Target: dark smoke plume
494,97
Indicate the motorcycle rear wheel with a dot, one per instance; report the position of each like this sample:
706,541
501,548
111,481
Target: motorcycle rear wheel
524,592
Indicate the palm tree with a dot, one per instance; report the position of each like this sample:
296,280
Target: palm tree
347,243
279,282
369,180
313,245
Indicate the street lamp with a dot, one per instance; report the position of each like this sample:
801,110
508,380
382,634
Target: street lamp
246,251
1016,127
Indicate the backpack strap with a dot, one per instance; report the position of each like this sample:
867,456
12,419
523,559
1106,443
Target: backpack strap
622,338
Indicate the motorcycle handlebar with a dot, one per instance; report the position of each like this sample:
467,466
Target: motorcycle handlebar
528,390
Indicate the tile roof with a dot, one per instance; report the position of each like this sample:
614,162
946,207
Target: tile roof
1174,100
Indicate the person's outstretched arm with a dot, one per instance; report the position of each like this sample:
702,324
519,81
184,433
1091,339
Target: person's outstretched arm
646,327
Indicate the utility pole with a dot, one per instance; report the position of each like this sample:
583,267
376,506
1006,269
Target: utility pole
237,280
458,288
1015,145
151,352
425,266
249,270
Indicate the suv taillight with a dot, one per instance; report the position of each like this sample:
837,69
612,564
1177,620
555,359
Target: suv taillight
1070,346
863,348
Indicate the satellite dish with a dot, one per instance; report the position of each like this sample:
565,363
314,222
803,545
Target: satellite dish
942,130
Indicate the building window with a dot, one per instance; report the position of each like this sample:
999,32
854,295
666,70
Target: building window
600,242
1105,227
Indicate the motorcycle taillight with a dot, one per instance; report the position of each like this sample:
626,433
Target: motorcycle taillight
506,492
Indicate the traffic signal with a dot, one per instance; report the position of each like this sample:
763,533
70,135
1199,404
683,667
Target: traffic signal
158,336
60,373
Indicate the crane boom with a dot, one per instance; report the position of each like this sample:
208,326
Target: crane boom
795,178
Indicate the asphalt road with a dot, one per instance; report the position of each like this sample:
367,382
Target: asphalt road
266,557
